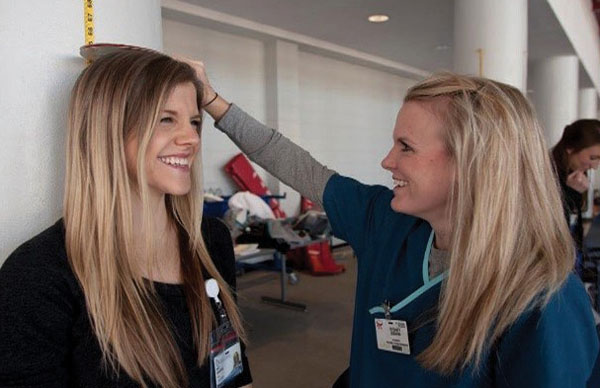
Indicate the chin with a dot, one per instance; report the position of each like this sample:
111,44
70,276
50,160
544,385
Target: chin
178,192
396,206
175,190
400,206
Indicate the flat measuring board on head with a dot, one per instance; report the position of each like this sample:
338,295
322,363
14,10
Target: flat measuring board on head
91,52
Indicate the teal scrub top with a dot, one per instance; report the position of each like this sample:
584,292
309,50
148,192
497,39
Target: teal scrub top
554,347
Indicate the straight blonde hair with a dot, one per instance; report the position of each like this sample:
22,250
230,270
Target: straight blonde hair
116,97
510,246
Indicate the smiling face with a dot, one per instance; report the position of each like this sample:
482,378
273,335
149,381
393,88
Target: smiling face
173,146
585,159
420,165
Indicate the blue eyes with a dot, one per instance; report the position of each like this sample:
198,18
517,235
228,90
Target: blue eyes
166,120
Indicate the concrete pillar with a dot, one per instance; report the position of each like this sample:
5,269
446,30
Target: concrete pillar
554,91
490,39
282,106
40,51
588,103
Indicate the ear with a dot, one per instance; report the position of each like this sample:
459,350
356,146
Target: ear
569,151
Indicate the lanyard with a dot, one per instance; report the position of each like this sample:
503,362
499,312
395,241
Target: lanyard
427,284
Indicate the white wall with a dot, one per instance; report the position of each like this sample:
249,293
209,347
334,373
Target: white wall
39,47
347,115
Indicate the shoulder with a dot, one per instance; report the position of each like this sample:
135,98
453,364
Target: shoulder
39,269
43,255
39,301
356,209
339,185
557,342
213,228
571,300
349,195
220,247
217,237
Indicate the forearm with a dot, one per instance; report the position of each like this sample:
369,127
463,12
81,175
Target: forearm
274,152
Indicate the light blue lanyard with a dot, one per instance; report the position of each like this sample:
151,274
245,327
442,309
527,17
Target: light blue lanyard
427,284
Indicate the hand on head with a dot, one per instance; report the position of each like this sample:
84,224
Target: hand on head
578,181
208,92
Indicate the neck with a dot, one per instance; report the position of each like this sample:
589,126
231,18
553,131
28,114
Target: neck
158,210
443,233
163,263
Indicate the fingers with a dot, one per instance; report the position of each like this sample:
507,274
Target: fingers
199,68
578,181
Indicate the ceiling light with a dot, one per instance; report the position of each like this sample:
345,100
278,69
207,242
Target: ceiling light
378,18
442,47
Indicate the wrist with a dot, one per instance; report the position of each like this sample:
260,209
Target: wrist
208,93
211,100
216,106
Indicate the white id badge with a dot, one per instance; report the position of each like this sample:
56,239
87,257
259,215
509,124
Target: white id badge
392,335
225,356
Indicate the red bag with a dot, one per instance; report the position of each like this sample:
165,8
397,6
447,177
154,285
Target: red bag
243,174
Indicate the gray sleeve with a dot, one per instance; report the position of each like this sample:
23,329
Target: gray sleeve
277,154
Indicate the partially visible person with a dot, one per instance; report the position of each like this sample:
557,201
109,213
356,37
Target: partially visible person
577,152
113,294
465,267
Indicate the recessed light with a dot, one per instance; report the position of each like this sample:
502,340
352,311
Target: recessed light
442,47
378,18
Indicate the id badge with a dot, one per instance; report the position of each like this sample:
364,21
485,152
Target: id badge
392,335
225,356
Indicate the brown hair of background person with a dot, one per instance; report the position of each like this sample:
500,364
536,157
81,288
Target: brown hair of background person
577,151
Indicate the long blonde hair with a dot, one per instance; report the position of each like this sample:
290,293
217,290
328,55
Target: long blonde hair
510,246
118,96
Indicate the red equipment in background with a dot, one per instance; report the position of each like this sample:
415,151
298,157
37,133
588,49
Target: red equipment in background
242,172
316,257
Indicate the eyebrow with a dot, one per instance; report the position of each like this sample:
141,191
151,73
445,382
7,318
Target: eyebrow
175,113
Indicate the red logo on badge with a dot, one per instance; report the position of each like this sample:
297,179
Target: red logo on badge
378,325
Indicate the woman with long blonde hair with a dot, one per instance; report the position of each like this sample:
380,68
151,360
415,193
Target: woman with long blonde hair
114,293
464,268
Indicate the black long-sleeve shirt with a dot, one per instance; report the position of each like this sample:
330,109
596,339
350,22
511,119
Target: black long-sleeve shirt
46,339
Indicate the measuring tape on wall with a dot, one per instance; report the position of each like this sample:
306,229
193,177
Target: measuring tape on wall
91,50
88,21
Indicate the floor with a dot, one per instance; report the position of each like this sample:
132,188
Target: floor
289,348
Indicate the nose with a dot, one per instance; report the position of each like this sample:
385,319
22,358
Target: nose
388,162
188,136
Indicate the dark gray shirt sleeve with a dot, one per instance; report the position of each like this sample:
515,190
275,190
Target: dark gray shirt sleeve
277,154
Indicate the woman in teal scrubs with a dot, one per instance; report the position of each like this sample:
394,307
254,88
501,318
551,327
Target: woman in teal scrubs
465,267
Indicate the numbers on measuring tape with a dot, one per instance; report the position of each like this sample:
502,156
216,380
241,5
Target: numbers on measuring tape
88,21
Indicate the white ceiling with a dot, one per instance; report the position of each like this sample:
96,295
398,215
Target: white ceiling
419,32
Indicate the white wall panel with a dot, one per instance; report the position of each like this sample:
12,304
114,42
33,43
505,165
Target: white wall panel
347,115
